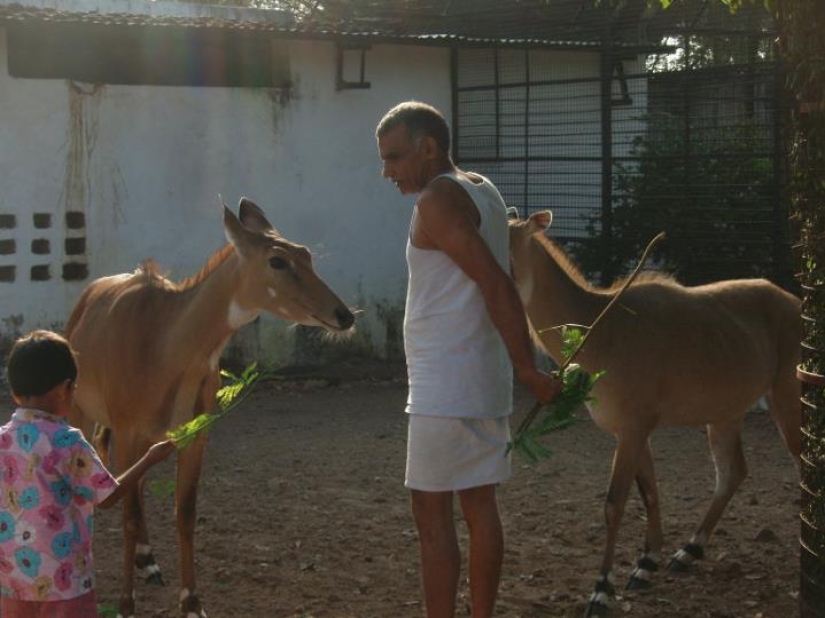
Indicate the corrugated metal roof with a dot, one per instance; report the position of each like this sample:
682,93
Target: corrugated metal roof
427,29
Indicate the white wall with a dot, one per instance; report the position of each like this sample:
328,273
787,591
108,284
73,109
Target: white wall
146,164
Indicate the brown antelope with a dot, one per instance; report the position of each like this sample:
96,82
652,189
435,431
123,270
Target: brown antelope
673,355
148,352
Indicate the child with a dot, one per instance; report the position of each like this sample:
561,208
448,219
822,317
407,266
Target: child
51,481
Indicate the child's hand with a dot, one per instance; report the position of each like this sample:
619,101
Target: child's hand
160,451
156,453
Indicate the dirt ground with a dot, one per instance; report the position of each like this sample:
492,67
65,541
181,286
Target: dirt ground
302,513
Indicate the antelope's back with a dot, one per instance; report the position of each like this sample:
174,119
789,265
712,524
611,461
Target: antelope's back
100,335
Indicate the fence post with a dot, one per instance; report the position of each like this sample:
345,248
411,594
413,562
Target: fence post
606,83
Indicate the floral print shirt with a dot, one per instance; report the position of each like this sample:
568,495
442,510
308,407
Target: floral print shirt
50,480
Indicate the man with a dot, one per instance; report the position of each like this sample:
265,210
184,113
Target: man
465,334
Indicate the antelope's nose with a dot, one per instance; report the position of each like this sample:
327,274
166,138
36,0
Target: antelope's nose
344,317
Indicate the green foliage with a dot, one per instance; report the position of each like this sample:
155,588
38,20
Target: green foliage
228,398
162,488
733,5
560,413
106,611
702,188
571,340
705,169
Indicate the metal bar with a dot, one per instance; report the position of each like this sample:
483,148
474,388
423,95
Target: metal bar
606,72
783,270
454,101
496,86
619,158
543,82
686,136
526,190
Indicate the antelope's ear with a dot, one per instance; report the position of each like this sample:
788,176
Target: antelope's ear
540,221
252,217
235,231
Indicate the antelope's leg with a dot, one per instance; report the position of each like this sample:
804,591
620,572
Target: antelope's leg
786,411
127,452
625,466
649,560
189,470
726,445
145,563
101,436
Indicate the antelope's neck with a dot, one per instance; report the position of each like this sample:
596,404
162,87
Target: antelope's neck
553,297
213,313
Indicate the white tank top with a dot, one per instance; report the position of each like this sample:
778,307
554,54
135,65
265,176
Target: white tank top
457,363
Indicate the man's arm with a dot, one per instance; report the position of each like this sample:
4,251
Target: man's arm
446,219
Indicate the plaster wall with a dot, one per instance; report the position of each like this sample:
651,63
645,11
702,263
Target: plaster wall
147,166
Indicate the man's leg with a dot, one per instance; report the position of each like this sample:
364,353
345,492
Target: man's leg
440,557
486,547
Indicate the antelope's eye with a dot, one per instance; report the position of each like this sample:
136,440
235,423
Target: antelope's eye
277,263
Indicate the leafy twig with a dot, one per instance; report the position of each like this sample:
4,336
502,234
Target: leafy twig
228,398
561,412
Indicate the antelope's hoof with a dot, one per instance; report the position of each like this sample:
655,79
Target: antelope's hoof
641,578
595,608
126,606
677,566
190,606
597,605
685,558
638,583
155,579
148,569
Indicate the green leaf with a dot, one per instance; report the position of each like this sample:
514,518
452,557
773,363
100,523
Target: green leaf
183,435
162,488
225,373
228,397
559,414
251,370
571,339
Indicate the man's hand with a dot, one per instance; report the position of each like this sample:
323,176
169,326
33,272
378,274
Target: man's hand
545,387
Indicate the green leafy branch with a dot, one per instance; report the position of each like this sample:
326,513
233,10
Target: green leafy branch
561,412
228,397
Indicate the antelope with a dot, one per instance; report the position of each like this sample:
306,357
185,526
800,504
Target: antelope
672,356
148,352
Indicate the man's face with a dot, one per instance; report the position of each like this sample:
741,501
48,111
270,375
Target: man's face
404,160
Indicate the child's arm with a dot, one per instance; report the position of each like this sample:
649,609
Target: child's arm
157,453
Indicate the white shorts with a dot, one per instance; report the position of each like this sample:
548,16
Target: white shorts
451,454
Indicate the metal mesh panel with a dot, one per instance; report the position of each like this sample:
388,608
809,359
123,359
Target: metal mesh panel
689,143
534,129
698,159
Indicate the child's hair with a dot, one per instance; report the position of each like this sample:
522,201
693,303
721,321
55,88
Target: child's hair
38,362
